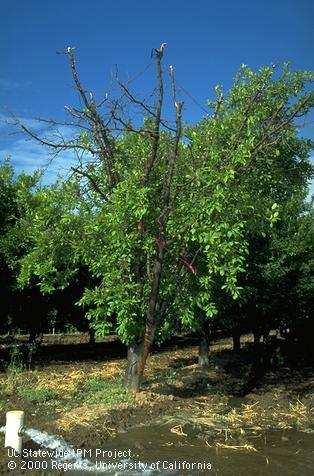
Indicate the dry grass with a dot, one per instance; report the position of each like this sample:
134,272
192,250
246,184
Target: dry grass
212,412
251,416
84,415
178,430
245,447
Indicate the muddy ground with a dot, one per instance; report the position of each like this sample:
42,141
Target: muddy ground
240,392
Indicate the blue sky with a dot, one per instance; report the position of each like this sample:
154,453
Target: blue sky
207,41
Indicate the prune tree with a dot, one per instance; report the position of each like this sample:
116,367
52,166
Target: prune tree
163,208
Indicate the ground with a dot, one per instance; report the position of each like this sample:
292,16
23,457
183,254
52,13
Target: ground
79,394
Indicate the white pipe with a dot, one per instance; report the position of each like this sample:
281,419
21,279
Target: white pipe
13,430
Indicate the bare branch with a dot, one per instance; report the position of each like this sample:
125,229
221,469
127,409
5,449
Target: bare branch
143,105
282,125
101,133
76,78
52,122
92,181
128,127
169,174
155,137
53,145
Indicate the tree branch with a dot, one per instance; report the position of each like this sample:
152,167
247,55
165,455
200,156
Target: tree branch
92,181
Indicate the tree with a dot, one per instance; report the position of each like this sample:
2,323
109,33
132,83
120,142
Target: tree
160,207
16,198
290,267
29,307
263,179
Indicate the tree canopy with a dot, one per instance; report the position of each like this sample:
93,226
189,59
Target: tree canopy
163,214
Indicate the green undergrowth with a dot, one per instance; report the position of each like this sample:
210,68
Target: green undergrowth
19,382
26,388
37,395
97,390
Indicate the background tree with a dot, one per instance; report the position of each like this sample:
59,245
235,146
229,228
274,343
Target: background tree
25,308
29,307
290,268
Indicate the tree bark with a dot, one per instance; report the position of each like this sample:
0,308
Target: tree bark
133,373
203,349
148,341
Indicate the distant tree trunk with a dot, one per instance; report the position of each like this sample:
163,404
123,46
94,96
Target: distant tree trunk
32,336
236,336
91,336
203,349
266,333
257,336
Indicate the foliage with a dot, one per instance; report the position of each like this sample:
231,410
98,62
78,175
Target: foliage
36,395
289,270
98,390
163,218
16,196
24,304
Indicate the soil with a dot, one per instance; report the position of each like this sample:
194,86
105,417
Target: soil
240,391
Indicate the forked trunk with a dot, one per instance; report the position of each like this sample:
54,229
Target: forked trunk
137,356
203,349
133,374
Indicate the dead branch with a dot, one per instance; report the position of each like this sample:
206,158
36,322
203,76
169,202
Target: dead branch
58,146
92,182
101,133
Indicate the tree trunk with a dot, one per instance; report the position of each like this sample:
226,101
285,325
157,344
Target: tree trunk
133,374
257,336
32,336
91,336
236,335
203,349
149,337
266,333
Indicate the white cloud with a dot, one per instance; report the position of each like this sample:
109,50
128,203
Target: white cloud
10,84
28,155
9,121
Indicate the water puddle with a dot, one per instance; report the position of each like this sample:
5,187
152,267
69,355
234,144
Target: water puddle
278,452
156,450
52,452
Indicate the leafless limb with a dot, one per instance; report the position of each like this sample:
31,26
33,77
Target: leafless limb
53,122
269,133
155,138
57,146
101,133
92,181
